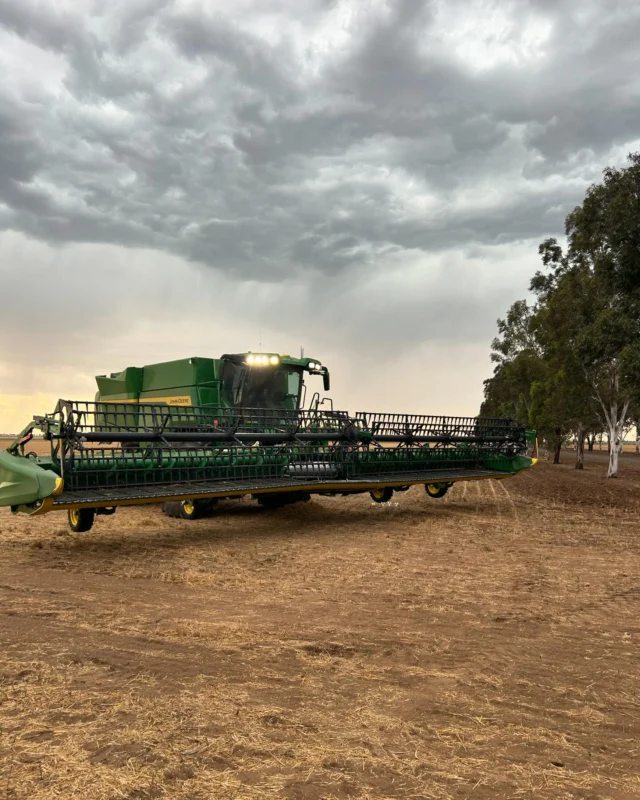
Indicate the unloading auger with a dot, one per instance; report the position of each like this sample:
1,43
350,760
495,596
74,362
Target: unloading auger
106,454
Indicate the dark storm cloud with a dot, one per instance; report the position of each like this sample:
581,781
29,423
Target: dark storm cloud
263,143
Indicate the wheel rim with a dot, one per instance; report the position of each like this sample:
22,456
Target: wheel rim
378,493
74,516
189,506
432,488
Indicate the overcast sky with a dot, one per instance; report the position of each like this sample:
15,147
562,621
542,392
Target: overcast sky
368,179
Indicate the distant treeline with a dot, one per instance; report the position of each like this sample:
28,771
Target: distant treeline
569,364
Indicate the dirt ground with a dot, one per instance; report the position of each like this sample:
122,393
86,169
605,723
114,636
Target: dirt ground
486,645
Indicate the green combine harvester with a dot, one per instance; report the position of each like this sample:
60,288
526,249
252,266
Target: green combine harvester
189,433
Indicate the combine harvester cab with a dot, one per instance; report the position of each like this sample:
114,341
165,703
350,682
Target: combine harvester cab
114,453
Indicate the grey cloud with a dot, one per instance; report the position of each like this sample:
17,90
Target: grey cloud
20,155
83,321
190,131
44,24
255,64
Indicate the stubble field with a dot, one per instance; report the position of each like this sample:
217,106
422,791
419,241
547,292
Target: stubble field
486,645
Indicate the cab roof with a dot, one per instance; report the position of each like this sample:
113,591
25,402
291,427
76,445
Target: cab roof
284,358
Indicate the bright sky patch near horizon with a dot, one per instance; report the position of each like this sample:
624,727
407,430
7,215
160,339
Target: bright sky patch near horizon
367,179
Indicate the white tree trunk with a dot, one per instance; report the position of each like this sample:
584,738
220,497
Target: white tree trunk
615,417
615,425
613,453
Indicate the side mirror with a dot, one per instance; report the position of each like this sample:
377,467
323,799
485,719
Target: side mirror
326,380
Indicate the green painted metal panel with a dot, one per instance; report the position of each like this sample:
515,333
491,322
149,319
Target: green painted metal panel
209,396
185,372
125,385
176,395
23,482
125,414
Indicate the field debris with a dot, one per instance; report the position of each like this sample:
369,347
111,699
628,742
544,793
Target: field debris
485,646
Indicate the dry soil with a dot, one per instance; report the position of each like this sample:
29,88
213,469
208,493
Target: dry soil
486,645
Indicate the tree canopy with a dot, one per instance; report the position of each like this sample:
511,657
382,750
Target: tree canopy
570,363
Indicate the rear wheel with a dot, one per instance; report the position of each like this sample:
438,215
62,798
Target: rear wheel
106,511
81,519
382,495
278,500
189,509
436,489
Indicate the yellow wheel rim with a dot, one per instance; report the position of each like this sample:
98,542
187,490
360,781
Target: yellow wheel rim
378,493
74,516
189,506
432,488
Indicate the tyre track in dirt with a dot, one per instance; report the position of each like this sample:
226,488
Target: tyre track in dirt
340,649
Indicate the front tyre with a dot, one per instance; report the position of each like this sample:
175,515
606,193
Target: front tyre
382,495
436,489
81,519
